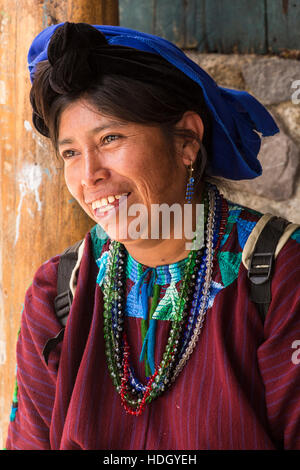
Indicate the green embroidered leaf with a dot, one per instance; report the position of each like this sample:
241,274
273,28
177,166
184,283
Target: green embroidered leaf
229,266
167,307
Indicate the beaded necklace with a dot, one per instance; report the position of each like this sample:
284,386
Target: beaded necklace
187,320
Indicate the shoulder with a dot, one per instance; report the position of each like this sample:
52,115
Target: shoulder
43,288
241,224
92,245
242,221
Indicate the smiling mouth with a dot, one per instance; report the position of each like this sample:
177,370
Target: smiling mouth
104,206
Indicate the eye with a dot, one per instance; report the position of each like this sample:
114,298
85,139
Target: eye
68,154
110,138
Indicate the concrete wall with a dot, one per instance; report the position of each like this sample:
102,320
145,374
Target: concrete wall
274,81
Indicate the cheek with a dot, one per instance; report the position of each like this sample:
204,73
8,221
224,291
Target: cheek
165,167
150,175
72,179
162,179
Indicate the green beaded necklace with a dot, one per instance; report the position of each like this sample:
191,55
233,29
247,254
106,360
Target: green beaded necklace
112,344
134,398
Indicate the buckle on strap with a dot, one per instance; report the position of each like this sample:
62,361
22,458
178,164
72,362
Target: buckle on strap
260,267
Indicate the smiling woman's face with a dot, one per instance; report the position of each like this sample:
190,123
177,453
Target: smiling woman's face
104,157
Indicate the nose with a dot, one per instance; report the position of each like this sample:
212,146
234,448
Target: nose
92,170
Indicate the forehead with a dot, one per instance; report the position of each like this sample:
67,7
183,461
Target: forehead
84,116
80,120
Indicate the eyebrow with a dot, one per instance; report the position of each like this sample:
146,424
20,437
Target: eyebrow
96,130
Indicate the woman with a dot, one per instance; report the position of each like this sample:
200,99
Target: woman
163,347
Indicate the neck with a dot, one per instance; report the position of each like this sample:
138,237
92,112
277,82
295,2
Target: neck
157,252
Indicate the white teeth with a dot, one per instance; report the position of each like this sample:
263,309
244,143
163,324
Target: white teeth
105,201
96,204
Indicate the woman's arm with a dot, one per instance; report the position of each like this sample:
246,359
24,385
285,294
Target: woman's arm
279,369
30,424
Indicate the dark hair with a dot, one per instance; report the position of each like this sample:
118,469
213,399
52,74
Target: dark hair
60,81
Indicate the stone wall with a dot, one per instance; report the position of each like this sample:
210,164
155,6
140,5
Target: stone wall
271,79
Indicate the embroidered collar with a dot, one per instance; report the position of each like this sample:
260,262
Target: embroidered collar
161,275
140,281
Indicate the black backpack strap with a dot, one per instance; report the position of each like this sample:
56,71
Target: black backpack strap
261,263
64,298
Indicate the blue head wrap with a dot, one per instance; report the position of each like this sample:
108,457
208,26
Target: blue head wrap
238,118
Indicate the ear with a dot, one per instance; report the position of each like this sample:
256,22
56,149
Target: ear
189,147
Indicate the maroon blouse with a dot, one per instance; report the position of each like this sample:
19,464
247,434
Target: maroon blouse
240,388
